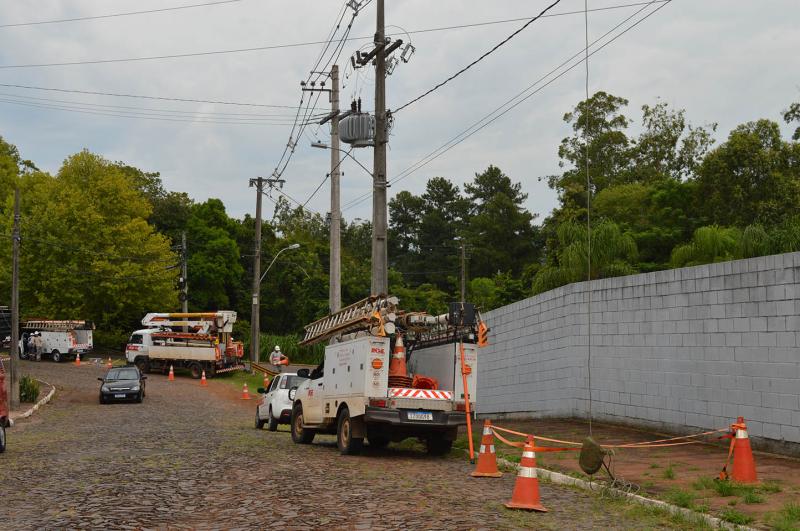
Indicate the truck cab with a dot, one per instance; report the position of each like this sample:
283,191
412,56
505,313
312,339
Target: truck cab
349,395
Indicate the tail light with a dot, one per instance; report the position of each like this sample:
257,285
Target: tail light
375,402
461,406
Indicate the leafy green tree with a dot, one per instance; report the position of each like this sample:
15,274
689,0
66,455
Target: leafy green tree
500,231
792,114
754,177
708,245
613,254
88,251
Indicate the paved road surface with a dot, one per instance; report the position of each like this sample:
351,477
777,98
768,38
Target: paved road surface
189,457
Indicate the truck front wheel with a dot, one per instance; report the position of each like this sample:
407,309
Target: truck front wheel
347,443
197,370
300,435
142,364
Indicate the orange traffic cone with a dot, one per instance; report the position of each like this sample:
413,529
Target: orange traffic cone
245,392
398,371
487,459
526,489
78,360
203,381
744,466
171,376
109,364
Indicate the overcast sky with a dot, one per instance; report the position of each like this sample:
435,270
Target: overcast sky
725,61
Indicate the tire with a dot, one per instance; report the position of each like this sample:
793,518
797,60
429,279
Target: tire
140,398
142,364
259,421
102,399
438,445
56,356
2,438
300,435
273,422
348,445
378,442
196,370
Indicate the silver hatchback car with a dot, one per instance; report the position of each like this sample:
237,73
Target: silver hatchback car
276,407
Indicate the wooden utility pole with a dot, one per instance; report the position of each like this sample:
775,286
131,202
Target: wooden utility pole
463,273
255,325
14,380
380,257
335,281
184,279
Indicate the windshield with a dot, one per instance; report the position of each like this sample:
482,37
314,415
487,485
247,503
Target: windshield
291,381
123,374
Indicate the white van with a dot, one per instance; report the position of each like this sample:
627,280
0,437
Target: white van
60,339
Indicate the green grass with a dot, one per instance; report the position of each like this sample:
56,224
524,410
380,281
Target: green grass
669,472
703,484
681,498
724,488
735,517
238,378
788,518
752,496
771,487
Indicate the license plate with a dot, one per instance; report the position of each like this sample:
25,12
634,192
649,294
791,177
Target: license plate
420,415
119,396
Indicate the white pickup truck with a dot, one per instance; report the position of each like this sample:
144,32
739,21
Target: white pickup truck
348,395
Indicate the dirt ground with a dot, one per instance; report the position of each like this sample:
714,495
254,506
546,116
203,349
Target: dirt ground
683,475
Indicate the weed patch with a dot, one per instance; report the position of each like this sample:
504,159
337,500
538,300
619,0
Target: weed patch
735,517
669,472
681,498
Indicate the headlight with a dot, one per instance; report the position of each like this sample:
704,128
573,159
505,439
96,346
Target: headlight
104,388
135,388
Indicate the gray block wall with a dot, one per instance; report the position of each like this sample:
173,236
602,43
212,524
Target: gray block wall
680,349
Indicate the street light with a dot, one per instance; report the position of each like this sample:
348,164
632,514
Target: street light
323,145
254,325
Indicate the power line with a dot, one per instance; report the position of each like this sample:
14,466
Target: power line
299,44
139,96
114,15
479,59
135,115
270,118
521,97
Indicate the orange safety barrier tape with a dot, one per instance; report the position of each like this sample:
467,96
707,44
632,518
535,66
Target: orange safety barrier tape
535,448
643,444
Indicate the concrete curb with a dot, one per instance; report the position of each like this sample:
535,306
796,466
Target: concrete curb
36,406
563,479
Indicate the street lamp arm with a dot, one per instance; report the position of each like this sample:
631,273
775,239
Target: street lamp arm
293,246
322,145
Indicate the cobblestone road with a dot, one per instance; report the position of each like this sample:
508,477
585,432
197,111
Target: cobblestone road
189,457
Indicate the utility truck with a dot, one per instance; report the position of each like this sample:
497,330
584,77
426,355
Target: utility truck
196,341
61,339
369,387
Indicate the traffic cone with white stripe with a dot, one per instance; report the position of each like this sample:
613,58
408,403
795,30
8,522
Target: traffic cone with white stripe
78,360
171,376
203,381
109,364
487,459
526,489
744,466
245,393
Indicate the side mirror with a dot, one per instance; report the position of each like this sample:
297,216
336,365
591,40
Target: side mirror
292,393
303,373
144,377
261,390
101,380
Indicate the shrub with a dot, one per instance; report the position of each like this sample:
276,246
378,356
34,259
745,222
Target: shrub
28,389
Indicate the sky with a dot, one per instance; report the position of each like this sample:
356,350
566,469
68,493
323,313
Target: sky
724,61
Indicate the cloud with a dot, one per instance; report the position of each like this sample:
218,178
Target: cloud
723,63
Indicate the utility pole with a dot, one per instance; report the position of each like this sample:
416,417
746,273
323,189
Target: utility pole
14,380
184,279
335,281
380,256
255,325
463,273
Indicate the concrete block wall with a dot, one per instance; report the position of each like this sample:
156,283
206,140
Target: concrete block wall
679,349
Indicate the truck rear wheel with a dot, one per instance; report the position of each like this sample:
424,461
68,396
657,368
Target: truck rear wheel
300,435
56,356
197,370
2,437
437,445
347,443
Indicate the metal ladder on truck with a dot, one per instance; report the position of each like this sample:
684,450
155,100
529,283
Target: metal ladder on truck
377,312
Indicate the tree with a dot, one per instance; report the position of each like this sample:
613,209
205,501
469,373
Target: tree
754,177
88,251
613,254
500,231
792,114
708,245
